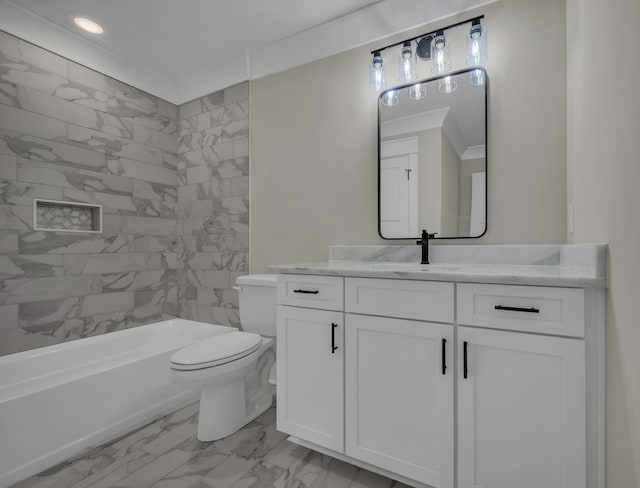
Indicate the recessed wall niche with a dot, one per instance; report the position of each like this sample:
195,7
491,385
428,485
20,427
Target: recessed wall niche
52,215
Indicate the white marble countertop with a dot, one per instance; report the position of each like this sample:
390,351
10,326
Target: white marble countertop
580,266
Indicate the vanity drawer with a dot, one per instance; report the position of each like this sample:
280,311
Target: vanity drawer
545,310
409,299
325,292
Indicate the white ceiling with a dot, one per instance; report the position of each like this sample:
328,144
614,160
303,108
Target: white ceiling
181,50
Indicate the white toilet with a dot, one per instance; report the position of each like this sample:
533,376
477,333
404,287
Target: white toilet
231,369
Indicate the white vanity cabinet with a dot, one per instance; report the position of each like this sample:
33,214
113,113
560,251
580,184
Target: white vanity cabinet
443,384
521,410
399,377
521,395
310,367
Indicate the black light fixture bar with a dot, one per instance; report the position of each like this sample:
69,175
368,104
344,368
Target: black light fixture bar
457,24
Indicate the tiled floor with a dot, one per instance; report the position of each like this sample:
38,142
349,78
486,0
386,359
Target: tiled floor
166,454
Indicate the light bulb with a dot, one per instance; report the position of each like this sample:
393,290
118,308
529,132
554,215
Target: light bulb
440,54
406,63
476,44
377,78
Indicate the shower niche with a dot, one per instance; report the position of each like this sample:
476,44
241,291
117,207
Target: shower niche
52,215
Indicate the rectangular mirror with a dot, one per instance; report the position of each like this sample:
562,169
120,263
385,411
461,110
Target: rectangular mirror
432,157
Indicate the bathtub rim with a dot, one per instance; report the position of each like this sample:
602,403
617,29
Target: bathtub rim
51,379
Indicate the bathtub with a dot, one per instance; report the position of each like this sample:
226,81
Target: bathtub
58,401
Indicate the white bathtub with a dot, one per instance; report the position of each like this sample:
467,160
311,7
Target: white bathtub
57,401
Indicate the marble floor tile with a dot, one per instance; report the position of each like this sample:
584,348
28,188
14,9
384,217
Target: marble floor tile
166,454
155,470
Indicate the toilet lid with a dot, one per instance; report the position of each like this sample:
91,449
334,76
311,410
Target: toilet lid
216,350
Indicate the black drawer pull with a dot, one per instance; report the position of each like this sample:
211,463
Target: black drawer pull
444,356
465,369
517,309
310,292
333,338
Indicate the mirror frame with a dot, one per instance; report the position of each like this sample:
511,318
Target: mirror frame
486,138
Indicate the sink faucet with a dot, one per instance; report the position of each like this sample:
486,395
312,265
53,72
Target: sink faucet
424,242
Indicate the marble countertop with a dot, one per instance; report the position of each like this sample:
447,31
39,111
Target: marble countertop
580,266
462,273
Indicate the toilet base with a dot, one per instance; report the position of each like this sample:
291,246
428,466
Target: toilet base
231,395
224,400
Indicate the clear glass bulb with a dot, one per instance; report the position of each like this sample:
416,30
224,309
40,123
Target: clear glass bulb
476,44
407,63
440,54
390,98
418,91
377,78
448,84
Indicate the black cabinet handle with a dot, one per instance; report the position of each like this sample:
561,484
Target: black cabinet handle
310,292
465,370
517,309
333,338
444,356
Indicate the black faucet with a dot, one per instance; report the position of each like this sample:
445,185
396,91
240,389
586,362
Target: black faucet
424,242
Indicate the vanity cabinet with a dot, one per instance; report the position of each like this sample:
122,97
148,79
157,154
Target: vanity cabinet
521,410
521,394
443,384
399,371
399,396
310,366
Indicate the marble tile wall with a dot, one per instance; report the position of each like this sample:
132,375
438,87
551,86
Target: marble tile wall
70,133
213,203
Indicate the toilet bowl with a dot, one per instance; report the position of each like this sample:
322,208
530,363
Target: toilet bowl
231,370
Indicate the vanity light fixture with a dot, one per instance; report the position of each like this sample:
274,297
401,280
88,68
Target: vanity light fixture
434,47
476,44
377,78
440,63
476,51
88,25
406,63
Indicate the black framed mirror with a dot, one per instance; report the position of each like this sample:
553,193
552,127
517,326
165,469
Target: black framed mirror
432,157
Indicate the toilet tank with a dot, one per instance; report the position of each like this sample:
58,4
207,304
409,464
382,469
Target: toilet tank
257,299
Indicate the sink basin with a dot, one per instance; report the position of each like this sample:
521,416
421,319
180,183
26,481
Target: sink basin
411,267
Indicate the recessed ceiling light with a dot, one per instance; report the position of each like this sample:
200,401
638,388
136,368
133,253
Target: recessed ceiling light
88,25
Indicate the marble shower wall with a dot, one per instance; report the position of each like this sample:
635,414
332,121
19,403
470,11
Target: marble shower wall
213,203
70,133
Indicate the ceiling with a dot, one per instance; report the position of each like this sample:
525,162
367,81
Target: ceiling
179,53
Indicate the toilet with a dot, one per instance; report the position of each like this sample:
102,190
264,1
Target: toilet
231,370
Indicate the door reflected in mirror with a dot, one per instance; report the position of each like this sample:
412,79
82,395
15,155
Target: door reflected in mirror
432,168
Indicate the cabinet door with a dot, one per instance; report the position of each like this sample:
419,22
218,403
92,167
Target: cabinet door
310,371
399,396
521,410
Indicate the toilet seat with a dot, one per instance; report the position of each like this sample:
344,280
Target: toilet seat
216,350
